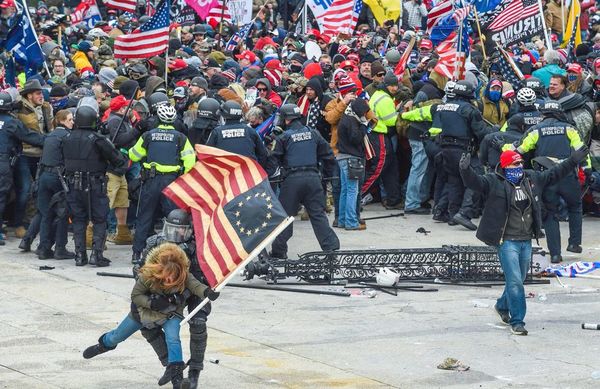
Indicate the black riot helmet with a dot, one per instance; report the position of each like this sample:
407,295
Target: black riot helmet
231,110
156,99
178,226
464,89
209,108
86,118
6,102
290,112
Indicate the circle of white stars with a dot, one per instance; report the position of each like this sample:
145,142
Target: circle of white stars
263,223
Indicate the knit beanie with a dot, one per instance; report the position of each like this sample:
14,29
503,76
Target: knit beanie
376,67
344,84
312,69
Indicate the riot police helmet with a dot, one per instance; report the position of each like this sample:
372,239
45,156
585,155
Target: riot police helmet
290,112
551,107
6,102
86,118
464,88
156,99
526,96
535,84
208,108
231,110
178,226
166,113
449,89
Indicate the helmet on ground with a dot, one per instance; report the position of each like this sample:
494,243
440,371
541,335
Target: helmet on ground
208,108
387,277
526,96
156,99
449,89
86,118
6,102
178,226
464,89
290,111
166,113
551,107
231,110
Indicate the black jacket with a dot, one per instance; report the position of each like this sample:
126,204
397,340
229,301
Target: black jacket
498,191
350,136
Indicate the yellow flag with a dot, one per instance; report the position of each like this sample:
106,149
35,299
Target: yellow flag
384,9
574,11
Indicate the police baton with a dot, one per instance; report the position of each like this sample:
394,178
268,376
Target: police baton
112,140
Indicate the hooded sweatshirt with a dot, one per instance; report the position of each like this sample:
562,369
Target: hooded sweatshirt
271,96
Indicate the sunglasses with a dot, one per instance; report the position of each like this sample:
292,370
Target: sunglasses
262,89
380,74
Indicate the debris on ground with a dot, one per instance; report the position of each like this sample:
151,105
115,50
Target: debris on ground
46,267
452,364
422,230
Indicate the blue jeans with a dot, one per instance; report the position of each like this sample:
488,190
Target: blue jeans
515,256
348,195
419,162
129,326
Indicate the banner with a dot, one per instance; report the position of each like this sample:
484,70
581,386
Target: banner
518,20
202,7
240,10
385,9
183,14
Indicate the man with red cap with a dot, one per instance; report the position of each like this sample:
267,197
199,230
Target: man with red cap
246,58
511,217
577,83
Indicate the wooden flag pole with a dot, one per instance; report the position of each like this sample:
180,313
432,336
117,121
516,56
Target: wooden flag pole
481,37
546,36
271,237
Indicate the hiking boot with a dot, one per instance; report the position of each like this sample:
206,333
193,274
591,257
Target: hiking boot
441,217
89,236
417,211
46,254
362,225
173,372
63,253
192,380
574,248
81,259
25,245
398,205
519,330
504,315
426,204
98,260
20,232
556,258
96,349
122,236
463,221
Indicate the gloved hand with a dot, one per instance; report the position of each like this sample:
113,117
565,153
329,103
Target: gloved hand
158,302
465,161
589,177
497,142
177,299
580,155
211,294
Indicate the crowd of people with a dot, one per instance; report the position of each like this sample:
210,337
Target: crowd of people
327,116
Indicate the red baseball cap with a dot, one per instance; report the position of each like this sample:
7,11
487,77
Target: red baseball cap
7,4
118,102
247,54
347,63
274,64
426,44
509,157
575,68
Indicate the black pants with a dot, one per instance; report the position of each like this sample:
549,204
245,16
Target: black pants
85,205
51,230
454,184
305,188
383,165
6,182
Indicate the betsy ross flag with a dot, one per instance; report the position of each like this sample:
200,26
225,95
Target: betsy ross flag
150,39
239,36
234,210
341,16
124,5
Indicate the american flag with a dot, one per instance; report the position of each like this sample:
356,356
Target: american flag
509,70
454,50
515,10
239,36
79,12
150,39
234,210
124,5
217,13
341,16
438,12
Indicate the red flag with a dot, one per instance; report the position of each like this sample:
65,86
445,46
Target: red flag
233,209
79,12
405,57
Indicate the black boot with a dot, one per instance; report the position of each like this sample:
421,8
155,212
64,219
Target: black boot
136,258
192,380
63,253
98,260
45,254
81,258
173,372
25,245
96,349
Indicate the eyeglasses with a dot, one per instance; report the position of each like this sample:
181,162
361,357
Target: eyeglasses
262,89
380,74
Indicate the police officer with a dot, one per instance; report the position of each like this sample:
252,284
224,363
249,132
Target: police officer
299,151
458,124
86,155
237,137
527,107
12,133
207,118
152,121
554,137
178,229
166,153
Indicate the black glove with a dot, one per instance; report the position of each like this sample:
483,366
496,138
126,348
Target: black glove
589,177
176,299
498,142
211,294
465,161
580,155
158,302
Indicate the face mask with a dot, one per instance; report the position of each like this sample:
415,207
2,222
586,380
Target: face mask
572,77
513,174
60,104
295,68
326,67
495,95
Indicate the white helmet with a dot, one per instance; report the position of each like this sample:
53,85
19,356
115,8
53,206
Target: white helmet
526,96
449,89
387,277
166,113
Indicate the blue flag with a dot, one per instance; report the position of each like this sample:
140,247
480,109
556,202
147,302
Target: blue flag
22,43
267,126
239,36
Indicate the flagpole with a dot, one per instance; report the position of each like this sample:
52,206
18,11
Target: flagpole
481,37
222,17
262,245
562,10
24,5
545,28
304,18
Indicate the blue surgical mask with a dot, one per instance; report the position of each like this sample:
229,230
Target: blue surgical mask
513,174
495,95
572,77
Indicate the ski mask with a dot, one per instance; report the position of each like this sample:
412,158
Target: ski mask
327,68
513,174
295,68
495,95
